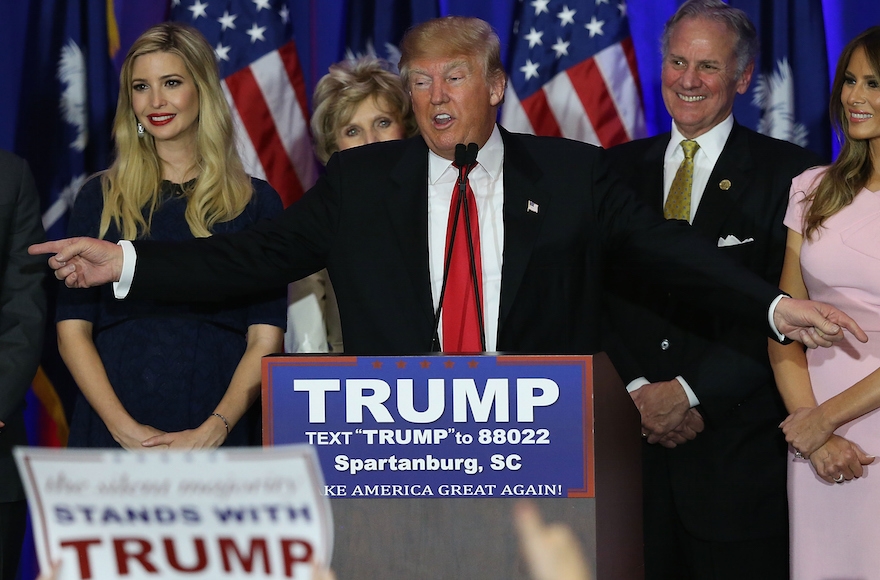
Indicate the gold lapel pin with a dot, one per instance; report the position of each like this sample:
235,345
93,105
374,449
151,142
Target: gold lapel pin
725,184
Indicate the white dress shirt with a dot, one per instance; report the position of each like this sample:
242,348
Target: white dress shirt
711,145
487,182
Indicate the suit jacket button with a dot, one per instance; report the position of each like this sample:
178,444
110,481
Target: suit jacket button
664,344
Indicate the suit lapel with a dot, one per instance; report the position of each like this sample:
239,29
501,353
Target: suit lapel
648,184
407,207
730,177
522,187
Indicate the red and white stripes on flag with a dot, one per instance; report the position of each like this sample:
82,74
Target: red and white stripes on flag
272,125
570,85
263,82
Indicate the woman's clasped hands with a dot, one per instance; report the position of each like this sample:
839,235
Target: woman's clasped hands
835,459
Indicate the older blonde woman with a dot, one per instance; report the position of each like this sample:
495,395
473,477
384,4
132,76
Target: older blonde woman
356,103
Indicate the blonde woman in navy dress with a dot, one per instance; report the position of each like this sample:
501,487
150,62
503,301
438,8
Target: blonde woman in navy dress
156,374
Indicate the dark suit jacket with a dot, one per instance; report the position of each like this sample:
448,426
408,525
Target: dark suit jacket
366,220
729,483
22,309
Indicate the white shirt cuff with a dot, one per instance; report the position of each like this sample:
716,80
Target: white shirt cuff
692,397
640,382
637,384
129,258
775,330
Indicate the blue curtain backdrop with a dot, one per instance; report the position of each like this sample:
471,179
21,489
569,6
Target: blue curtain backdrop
321,27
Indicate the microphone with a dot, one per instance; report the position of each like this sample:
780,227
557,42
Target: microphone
471,154
465,156
465,160
460,155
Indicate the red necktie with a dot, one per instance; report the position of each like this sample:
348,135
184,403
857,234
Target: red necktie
461,326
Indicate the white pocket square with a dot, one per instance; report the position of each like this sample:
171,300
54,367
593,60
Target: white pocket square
732,240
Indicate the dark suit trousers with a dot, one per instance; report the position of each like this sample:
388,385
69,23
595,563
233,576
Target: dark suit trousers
13,518
673,553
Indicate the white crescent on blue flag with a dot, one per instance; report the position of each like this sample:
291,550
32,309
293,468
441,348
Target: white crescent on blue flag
68,100
573,72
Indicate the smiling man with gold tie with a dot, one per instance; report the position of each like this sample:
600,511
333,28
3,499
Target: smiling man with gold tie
714,457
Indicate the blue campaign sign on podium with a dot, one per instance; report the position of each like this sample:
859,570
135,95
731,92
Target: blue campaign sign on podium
438,426
425,457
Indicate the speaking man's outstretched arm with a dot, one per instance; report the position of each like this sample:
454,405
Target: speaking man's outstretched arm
814,323
82,262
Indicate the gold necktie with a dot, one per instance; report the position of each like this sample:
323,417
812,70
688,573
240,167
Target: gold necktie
678,204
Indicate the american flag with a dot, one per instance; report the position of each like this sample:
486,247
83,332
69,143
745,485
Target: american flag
263,82
573,72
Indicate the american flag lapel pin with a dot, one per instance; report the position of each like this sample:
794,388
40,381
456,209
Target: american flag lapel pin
533,207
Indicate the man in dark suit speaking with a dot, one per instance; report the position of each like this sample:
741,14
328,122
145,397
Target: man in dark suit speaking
547,214
713,499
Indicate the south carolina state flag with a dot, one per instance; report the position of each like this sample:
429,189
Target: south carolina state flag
573,72
376,26
788,97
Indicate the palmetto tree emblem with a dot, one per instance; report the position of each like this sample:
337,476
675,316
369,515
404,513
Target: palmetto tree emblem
774,95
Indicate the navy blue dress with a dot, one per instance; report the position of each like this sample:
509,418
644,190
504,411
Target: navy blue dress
169,363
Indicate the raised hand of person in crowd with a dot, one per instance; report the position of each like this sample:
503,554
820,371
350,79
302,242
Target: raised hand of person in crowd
321,572
551,551
814,323
82,262
51,573
839,460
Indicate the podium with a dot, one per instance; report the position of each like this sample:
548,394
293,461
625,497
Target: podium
477,433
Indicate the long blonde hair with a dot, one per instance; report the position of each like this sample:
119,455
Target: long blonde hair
853,167
131,185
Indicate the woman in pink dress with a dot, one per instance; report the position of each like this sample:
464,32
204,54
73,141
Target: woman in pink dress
833,395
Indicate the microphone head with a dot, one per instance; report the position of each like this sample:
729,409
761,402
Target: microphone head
471,153
461,155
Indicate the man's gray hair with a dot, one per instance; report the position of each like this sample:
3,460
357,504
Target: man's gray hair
734,19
